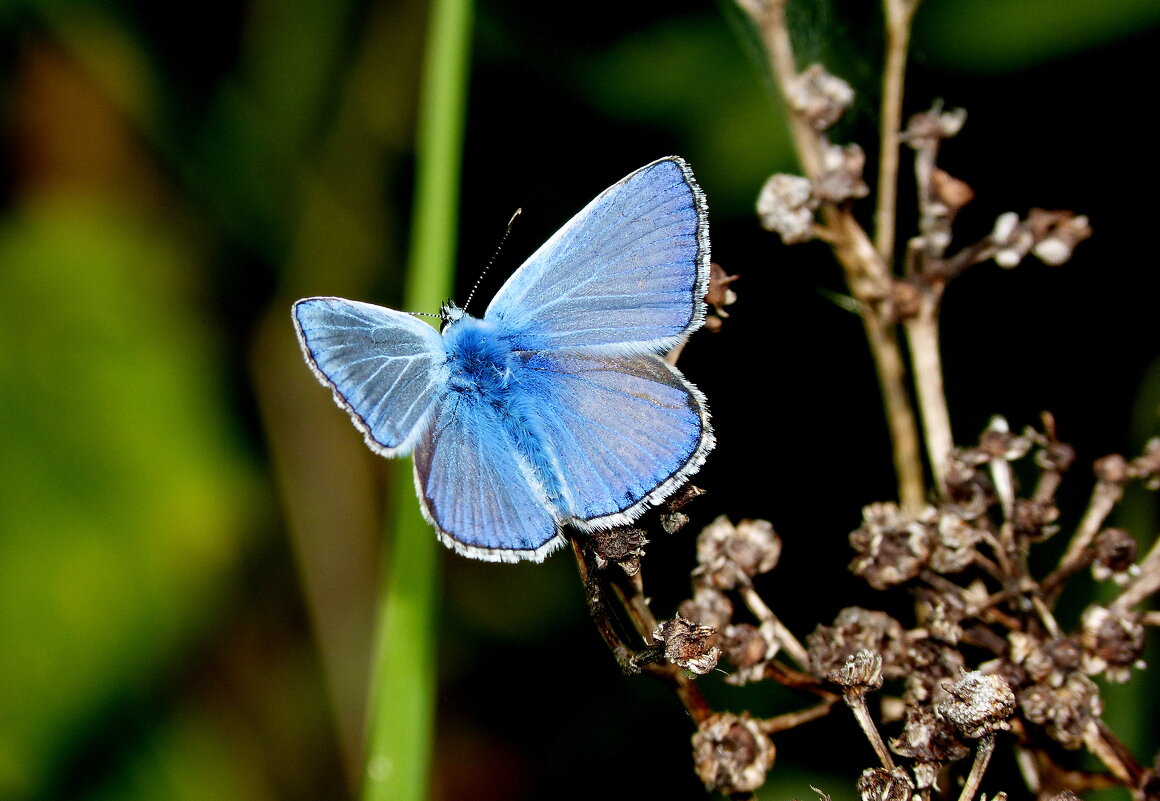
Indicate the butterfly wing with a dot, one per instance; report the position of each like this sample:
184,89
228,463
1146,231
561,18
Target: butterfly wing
478,488
386,368
624,431
625,275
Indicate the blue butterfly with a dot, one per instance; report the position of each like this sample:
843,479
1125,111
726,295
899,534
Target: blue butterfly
553,409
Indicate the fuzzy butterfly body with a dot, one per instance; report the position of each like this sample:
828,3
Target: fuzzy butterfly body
554,408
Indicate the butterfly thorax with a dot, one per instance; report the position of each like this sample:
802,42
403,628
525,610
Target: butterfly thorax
478,356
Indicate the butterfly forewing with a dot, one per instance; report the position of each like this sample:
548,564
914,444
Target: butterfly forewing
625,275
386,368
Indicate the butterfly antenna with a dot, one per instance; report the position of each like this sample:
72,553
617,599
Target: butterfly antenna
491,261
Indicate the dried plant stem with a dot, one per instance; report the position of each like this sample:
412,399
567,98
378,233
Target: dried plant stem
1105,496
1109,750
867,272
781,635
857,703
648,660
983,753
922,334
791,720
899,14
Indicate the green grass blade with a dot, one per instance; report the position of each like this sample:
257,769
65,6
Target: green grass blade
403,681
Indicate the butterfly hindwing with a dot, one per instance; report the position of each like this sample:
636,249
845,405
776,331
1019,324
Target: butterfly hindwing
624,432
478,488
625,275
386,368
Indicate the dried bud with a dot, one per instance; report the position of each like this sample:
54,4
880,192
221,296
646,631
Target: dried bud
1115,556
786,206
688,646
1147,466
1012,240
729,556
880,784
998,443
1065,795
930,741
857,629
978,705
719,296
1056,456
1112,643
933,125
819,97
709,607
892,545
731,753
841,175
860,673
1056,234
951,193
968,492
623,545
1112,469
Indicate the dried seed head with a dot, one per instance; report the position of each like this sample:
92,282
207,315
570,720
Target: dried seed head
689,646
1065,795
749,649
819,97
930,741
623,545
954,541
978,705
892,545
1031,519
929,666
856,629
731,753
1112,643
1067,713
1115,556
880,784
729,556
841,175
786,206
709,607
859,674
942,616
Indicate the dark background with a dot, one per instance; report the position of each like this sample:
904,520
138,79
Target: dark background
189,529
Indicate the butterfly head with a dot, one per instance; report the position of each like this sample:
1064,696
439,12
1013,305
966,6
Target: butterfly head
450,313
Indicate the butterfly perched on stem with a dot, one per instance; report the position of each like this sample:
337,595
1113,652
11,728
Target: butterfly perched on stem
554,408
